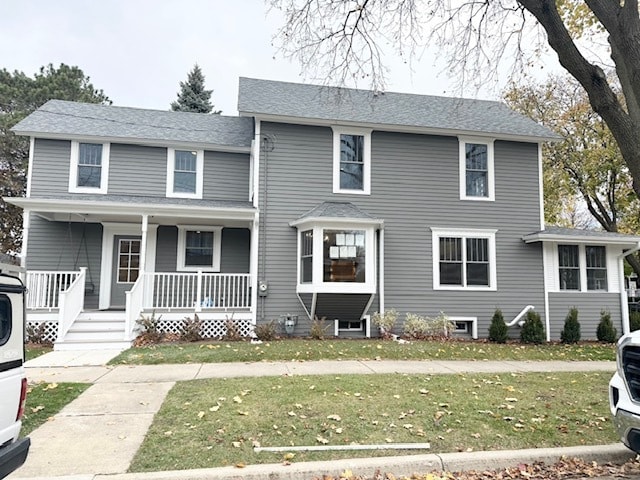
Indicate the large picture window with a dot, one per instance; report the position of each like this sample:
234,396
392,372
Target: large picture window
199,248
464,259
476,169
89,167
344,256
351,161
184,173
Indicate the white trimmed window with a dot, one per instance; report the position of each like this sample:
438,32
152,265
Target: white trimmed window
184,173
580,265
476,169
89,167
199,248
336,258
464,259
351,161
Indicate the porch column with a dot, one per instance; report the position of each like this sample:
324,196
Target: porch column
143,242
25,237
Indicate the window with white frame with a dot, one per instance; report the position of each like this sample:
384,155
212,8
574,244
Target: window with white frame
351,161
184,173
464,259
476,169
128,260
344,256
89,167
306,256
582,265
199,248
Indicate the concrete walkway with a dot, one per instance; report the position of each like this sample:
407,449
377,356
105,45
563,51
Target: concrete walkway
97,435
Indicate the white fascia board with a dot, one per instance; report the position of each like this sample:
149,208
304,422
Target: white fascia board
449,132
573,239
84,207
149,142
339,221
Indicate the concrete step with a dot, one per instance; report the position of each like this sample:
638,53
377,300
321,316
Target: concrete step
95,335
70,345
97,325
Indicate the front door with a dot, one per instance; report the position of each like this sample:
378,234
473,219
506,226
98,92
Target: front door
126,267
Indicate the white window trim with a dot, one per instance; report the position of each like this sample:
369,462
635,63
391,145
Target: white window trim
171,170
125,239
366,174
463,168
73,169
182,243
436,233
318,285
582,263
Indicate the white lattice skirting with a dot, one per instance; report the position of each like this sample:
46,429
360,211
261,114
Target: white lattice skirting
213,329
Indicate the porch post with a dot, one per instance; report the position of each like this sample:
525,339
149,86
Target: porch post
253,267
143,242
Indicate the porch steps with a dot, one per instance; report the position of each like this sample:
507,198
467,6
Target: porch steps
95,330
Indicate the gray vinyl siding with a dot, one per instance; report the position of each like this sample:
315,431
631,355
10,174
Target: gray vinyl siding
589,305
235,256
414,186
50,168
60,246
137,170
226,176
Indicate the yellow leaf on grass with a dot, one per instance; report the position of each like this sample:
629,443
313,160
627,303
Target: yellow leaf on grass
37,409
243,412
348,474
337,418
322,440
237,399
289,456
51,386
236,444
215,408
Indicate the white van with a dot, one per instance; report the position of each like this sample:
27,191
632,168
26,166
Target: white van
13,382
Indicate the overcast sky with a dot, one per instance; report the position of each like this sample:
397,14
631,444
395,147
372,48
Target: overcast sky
138,51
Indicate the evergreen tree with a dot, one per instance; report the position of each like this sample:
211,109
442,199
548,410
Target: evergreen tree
571,331
606,332
192,96
498,330
533,329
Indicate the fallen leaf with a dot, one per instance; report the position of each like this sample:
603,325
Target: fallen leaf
337,418
200,414
237,399
236,444
322,440
243,412
214,408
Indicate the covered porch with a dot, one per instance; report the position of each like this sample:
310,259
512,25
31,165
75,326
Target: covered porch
95,266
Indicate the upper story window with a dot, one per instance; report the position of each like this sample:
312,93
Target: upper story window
184,173
464,259
199,248
580,265
351,161
89,167
476,169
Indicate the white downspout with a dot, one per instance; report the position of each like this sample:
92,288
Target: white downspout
522,313
381,270
624,305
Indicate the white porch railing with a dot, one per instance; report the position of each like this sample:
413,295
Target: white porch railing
44,287
134,304
71,303
198,290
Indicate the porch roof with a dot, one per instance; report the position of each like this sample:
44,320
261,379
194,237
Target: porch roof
560,234
113,207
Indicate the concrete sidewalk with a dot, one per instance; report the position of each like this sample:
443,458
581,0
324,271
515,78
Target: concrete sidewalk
97,435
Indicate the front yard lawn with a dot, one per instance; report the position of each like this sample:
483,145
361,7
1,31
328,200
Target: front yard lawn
209,423
306,350
44,400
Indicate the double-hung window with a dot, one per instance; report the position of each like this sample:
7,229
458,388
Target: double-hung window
184,173
89,167
199,248
351,161
464,259
582,265
476,169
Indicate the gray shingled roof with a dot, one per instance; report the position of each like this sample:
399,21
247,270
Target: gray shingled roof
335,105
60,117
336,210
552,232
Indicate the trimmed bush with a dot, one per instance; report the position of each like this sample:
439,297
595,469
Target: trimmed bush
571,331
532,330
634,321
266,331
498,330
606,332
385,322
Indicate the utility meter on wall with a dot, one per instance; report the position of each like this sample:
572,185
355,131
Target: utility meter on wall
263,289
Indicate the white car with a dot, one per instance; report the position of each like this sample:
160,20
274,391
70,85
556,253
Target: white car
624,391
13,383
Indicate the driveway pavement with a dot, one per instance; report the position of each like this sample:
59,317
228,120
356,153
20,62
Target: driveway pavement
97,435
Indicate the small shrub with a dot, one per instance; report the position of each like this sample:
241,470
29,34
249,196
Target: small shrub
148,328
418,327
318,328
415,326
634,321
266,331
533,329
571,331
606,332
385,322
191,328
232,334
37,334
498,330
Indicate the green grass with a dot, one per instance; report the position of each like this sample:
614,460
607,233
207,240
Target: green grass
210,423
44,400
306,350
34,351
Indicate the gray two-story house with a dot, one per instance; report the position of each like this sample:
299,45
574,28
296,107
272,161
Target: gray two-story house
315,202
